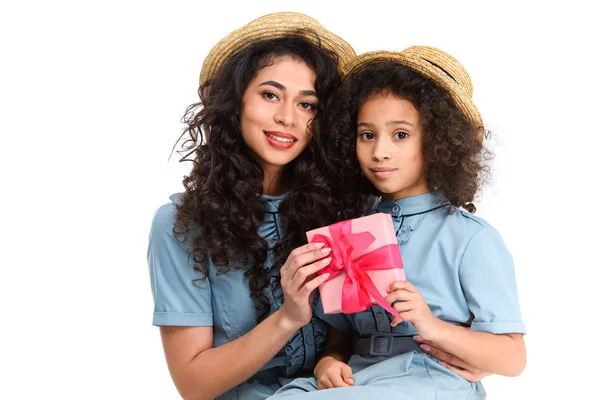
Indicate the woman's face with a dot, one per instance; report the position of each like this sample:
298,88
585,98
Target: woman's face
277,109
389,146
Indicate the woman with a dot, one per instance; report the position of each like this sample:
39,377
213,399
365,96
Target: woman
216,251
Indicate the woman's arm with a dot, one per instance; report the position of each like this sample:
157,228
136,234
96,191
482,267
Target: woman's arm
200,371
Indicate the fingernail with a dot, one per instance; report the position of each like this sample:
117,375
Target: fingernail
318,245
326,250
425,348
443,364
326,260
325,276
418,338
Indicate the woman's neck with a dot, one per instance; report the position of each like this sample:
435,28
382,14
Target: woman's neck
272,181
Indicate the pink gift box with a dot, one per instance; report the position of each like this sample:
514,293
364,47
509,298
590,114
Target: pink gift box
380,225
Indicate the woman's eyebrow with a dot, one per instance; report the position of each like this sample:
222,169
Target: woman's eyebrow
283,88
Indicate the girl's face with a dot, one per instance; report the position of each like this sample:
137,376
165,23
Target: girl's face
389,146
277,109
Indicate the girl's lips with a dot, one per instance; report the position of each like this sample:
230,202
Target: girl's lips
383,172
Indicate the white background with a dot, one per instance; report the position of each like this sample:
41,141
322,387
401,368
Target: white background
91,94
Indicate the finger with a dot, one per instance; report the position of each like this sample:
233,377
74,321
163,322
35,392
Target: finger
303,273
298,251
315,283
462,372
338,381
399,295
324,383
443,356
406,285
404,317
301,260
403,306
347,374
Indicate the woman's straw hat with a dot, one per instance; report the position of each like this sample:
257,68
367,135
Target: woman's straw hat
274,26
434,64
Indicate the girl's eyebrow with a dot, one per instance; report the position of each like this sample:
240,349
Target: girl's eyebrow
401,122
283,88
370,125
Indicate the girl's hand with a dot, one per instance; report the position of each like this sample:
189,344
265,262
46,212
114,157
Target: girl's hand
331,373
298,281
452,362
411,306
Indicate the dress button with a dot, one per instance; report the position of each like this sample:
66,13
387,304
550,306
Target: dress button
395,209
309,339
380,316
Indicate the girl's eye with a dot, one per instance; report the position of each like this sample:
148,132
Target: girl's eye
367,136
308,106
269,95
401,135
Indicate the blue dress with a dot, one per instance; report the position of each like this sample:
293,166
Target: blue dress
465,273
223,302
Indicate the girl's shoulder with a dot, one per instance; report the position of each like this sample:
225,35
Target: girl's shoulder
470,225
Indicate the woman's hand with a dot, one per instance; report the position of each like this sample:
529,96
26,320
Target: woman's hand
331,373
298,281
452,362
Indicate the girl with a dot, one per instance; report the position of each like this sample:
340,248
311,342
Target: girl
216,251
413,136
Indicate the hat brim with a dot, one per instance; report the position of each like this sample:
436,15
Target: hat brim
460,96
274,26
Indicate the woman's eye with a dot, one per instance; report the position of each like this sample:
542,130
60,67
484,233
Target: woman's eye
367,135
269,95
308,106
401,135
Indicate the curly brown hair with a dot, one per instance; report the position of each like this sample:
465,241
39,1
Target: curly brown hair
456,162
221,208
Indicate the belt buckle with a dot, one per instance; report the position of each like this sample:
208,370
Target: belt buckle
390,345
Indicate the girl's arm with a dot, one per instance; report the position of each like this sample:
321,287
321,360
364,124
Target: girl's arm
451,362
502,354
331,370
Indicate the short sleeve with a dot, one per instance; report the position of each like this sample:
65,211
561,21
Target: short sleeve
180,299
487,277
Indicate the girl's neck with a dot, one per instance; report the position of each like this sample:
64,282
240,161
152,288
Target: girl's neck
406,194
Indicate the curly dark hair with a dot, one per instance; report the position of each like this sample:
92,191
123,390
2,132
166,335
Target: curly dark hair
455,159
221,207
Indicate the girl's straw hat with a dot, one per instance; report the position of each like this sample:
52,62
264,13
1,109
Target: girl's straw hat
436,65
274,26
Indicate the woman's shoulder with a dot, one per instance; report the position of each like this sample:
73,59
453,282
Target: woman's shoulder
164,216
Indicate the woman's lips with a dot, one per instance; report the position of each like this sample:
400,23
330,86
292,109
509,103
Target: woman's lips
280,140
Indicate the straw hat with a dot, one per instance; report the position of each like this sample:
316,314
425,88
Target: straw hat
436,65
274,26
